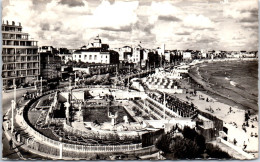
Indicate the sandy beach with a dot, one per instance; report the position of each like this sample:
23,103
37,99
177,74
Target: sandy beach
233,82
228,102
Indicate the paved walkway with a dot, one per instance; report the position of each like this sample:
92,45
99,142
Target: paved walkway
9,153
229,150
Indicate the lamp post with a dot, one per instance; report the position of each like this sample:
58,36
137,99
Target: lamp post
75,79
61,147
41,85
13,105
14,90
116,71
70,83
12,121
129,77
164,103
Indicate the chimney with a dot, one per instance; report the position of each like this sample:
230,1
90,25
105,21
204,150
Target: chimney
19,24
13,23
6,22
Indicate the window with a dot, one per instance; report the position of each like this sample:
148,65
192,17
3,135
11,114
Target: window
95,57
79,56
90,57
85,56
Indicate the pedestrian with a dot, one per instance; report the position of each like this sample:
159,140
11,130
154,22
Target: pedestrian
10,145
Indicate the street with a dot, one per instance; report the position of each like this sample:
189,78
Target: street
6,104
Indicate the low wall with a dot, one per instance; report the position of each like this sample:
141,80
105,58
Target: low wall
236,148
72,147
101,86
102,133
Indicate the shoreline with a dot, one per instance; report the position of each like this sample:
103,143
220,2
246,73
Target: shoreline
209,89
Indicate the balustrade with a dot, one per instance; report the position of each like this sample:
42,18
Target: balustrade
74,147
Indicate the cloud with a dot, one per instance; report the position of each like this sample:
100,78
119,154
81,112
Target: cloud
242,11
163,10
45,26
145,3
178,24
249,16
118,14
168,18
143,25
206,40
121,29
183,33
71,3
253,26
198,22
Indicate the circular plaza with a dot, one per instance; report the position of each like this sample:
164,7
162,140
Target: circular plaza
89,120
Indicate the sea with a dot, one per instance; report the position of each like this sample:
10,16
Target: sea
236,80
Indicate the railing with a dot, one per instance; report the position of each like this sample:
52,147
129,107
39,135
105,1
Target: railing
102,86
5,37
29,45
100,133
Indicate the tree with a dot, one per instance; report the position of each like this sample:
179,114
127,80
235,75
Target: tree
183,148
216,152
189,146
163,143
189,133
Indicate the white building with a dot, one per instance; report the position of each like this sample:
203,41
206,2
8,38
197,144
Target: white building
161,50
66,57
125,53
91,56
203,53
137,54
167,56
96,52
186,54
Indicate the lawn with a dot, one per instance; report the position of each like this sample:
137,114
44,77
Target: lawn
33,116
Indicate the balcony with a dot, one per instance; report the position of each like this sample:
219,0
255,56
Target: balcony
21,45
14,38
33,60
8,69
6,37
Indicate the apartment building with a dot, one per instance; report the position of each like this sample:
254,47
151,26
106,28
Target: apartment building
19,55
50,63
125,53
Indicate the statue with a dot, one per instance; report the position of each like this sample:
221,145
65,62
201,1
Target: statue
112,117
125,119
67,105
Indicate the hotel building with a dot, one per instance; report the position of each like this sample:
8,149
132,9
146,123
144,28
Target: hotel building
19,55
96,52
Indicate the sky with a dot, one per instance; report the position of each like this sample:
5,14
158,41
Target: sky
230,25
